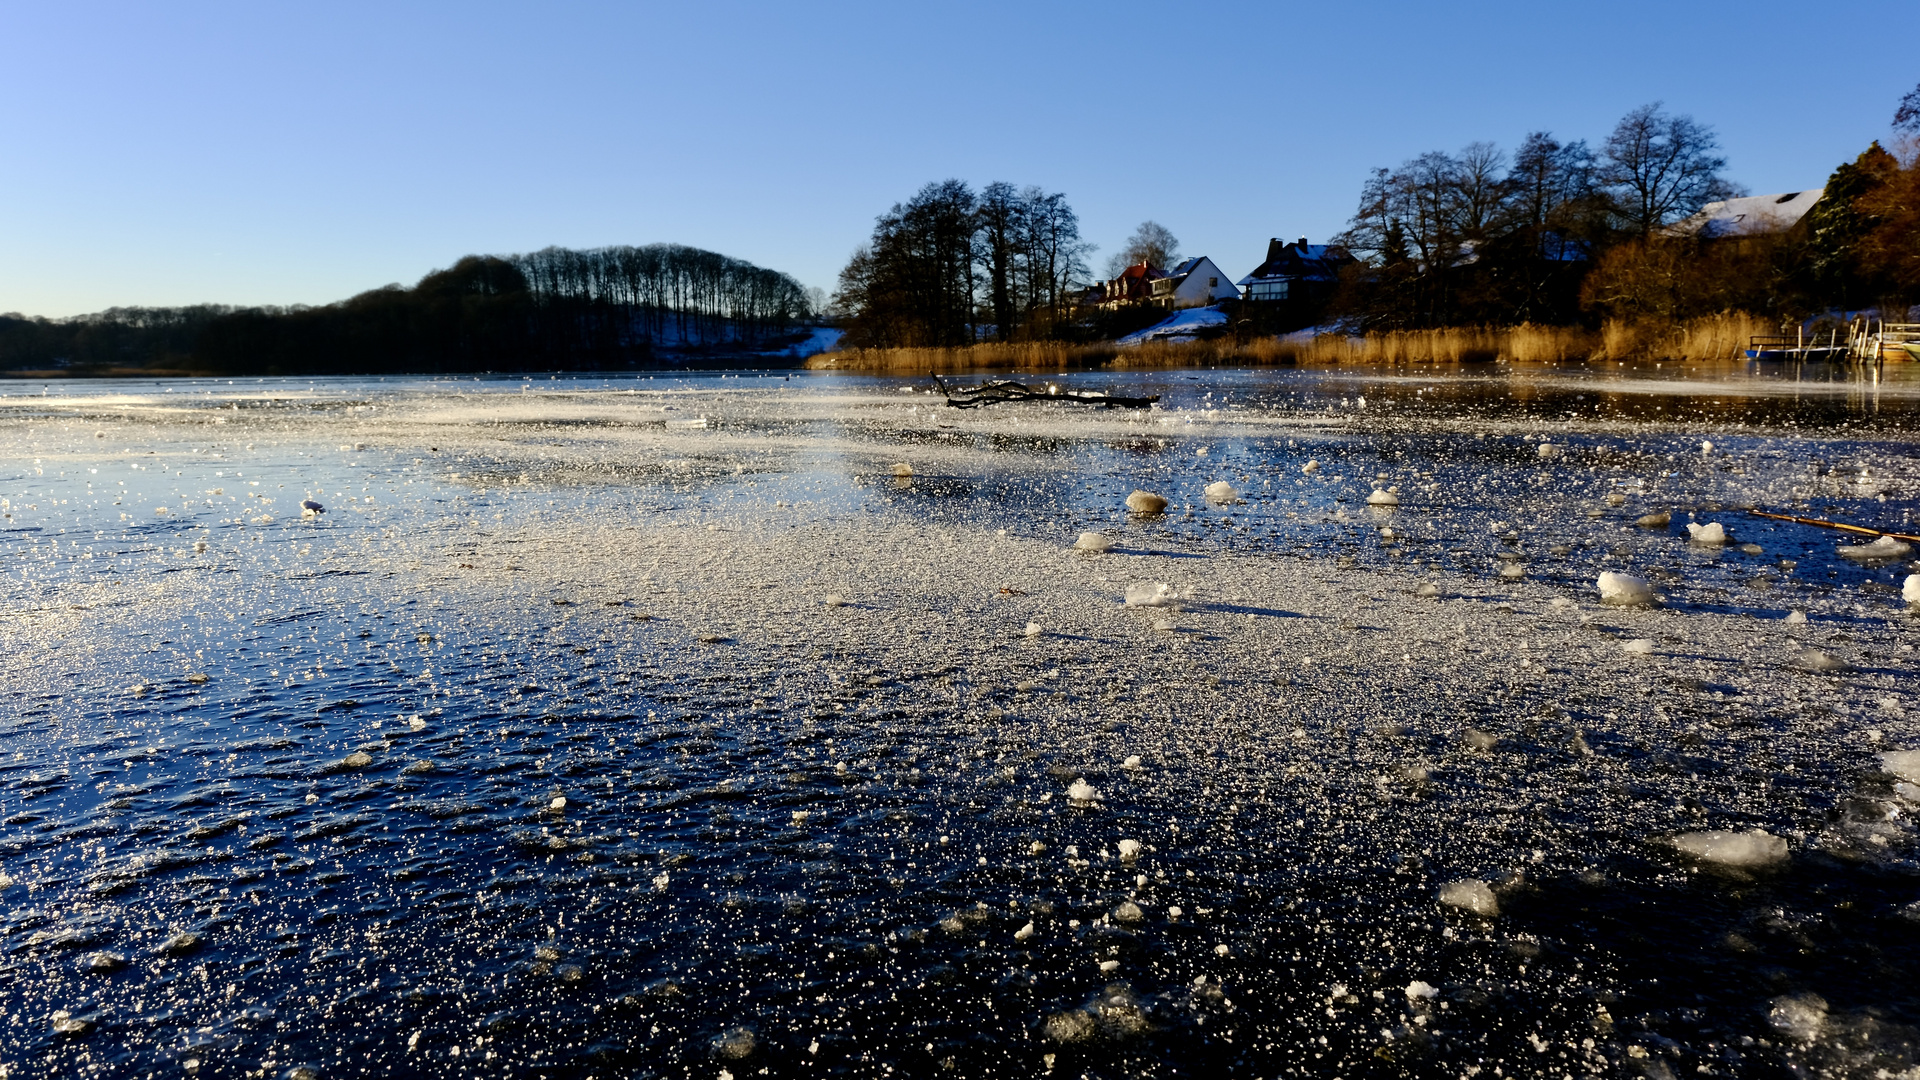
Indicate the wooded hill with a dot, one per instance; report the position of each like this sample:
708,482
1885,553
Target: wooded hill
556,309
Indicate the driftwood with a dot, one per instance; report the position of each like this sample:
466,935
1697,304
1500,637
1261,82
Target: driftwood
997,390
1841,525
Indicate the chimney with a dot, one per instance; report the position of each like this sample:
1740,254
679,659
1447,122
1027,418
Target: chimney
1303,245
1274,248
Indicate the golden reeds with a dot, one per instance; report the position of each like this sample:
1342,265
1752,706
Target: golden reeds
1714,337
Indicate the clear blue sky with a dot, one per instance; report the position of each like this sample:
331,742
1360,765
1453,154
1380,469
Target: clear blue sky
299,153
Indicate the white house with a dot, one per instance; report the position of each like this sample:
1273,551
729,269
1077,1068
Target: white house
1196,282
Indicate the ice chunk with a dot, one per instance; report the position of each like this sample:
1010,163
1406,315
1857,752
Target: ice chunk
1081,791
1310,467
559,803
1796,617
1710,534
1640,646
1616,499
1426,588
1743,849
1146,502
1383,497
1655,521
1470,894
1886,547
1421,991
1132,762
1032,630
1706,446
834,599
1023,933
1625,589
309,508
1814,659
1904,764
1128,912
1910,590
1513,571
1548,451
736,1043
1093,542
1151,594
1129,849
1798,1016
1221,492
902,469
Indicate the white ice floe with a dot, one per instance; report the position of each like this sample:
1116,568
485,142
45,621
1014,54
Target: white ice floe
1426,588
1910,590
1132,762
1641,646
1904,764
1796,617
1032,630
1146,502
1311,466
902,469
559,803
1625,589
1798,1016
1885,547
1549,451
1129,849
1755,847
1470,894
834,599
1151,594
1383,497
1081,791
1711,534
1094,542
1221,492
1421,991
1814,659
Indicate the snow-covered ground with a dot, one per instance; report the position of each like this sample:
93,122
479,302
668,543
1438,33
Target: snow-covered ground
664,726
1180,325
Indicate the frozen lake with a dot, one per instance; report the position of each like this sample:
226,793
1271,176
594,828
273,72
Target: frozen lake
654,727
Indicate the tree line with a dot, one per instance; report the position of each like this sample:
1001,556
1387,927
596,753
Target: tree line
950,263
1564,232
555,309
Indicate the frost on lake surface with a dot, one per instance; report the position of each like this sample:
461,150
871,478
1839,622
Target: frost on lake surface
580,737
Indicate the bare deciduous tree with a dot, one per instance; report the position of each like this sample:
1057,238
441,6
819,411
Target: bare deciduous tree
1660,168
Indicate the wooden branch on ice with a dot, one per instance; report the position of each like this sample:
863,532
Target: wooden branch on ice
1825,524
998,390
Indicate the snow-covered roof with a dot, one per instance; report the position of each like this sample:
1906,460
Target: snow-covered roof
1753,215
1180,324
1320,262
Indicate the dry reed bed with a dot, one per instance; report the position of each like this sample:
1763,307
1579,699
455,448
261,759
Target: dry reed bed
1718,337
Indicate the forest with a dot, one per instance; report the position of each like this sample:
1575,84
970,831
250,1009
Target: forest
555,309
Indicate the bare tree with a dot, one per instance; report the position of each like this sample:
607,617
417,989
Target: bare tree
1906,118
1152,243
1660,168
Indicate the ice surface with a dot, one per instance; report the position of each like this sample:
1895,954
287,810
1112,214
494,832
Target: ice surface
1711,534
1753,848
1470,894
1625,589
775,828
